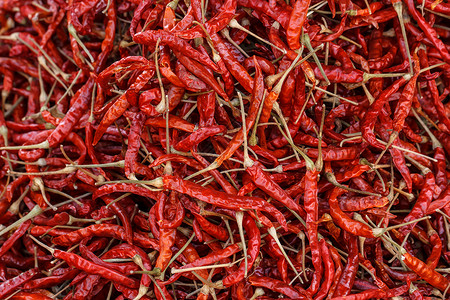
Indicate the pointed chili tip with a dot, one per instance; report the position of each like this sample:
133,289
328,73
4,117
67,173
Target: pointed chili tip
98,135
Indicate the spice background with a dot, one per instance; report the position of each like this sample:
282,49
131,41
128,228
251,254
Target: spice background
224,149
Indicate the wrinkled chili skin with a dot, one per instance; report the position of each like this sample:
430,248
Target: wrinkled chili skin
348,276
133,132
220,199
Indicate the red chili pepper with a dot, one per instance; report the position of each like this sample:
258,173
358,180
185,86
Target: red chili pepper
219,198
279,287
428,30
198,136
14,237
344,221
150,37
10,285
347,278
425,272
104,230
370,117
296,21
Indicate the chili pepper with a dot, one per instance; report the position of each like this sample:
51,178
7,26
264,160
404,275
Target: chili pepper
104,230
55,279
329,270
383,62
312,216
29,296
264,182
428,30
336,34
348,275
150,37
433,89
296,21
404,105
8,286
279,287
207,260
362,203
377,293
277,12
133,145
374,6
14,237
120,106
423,202
215,24
345,222
198,136
371,116
219,198
425,272
257,96
440,202
266,65
235,68
253,249
201,72
92,268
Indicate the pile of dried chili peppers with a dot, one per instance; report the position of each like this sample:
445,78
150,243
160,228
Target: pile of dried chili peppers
224,149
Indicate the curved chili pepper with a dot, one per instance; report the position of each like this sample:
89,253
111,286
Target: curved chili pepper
219,198
348,275
104,230
425,272
198,136
232,64
279,286
428,30
10,285
345,222
150,37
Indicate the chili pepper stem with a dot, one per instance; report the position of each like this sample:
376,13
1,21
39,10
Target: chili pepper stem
380,231
306,41
66,170
273,233
73,33
392,138
271,79
235,24
408,151
332,179
253,140
368,76
258,292
177,254
211,167
49,249
226,34
155,272
117,164
330,93
435,142
239,221
43,145
319,161
398,7
424,170
276,108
